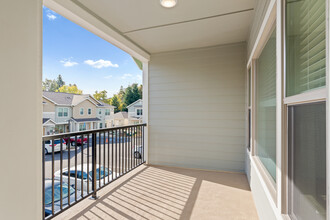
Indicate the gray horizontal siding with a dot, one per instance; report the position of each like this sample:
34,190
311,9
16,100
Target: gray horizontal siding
196,108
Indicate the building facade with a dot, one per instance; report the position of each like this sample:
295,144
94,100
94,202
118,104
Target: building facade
64,112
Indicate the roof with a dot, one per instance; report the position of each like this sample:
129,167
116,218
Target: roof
120,115
85,119
135,103
45,120
69,99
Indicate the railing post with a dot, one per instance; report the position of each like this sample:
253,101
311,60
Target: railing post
94,196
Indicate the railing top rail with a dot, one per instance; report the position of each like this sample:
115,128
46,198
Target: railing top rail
56,136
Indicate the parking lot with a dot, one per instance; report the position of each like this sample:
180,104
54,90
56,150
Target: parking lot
117,156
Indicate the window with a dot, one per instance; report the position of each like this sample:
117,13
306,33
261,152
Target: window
82,127
138,111
266,106
249,109
89,111
107,112
81,111
100,111
65,112
307,161
305,45
100,125
60,112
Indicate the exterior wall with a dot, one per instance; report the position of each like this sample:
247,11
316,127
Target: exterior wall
196,108
50,115
21,40
48,106
62,119
86,105
260,11
132,109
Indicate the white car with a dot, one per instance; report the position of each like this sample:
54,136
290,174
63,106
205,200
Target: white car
138,152
103,171
57,146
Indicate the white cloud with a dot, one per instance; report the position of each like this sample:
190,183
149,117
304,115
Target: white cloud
108,77
51,17
100,63
126,75
139,77
68,63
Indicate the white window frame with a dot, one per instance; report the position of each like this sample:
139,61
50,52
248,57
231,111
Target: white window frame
89,111
81,111
316,95
60,110
66,110
136,111
107,111
100,111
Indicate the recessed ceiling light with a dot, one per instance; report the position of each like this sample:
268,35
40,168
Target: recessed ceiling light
168,3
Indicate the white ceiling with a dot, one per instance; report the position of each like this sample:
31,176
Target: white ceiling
191,24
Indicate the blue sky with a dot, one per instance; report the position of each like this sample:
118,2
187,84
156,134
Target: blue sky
83,58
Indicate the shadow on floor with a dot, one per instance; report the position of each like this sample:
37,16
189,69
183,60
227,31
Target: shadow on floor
173,193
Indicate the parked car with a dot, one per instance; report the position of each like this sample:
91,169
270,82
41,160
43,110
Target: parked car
73,141
137,152
103,171
57,191
57,146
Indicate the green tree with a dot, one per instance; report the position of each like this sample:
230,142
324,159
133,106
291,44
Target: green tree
115,101
49,85
101,96
70,89
60,81
132,94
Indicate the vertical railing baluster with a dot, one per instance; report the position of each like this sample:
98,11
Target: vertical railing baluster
53,176
82,165
43,179
69,155
94,165
61,178
125,150
88,164
112,170
99,162
142,144
120,140
116,167
131,147
104,158
75,168
108,136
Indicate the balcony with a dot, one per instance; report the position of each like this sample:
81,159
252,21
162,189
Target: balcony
118,184
155,192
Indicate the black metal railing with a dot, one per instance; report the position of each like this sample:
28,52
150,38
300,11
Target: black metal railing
99,157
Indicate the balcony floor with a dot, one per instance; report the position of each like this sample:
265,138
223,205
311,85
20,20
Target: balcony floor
153,192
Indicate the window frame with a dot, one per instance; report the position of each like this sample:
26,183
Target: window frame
81,111
107,112
66,110
308,97
60,110
89,111
100,111
137,112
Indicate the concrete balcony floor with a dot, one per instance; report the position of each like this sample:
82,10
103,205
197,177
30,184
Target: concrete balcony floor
154,192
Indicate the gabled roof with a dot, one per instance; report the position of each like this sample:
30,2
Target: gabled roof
120,115
69,99
46,120
135,103
85,119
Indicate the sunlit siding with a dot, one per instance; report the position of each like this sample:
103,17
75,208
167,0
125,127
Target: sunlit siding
196,108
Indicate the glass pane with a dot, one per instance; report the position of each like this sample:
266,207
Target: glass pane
266,106
306,48
249,87
307,161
